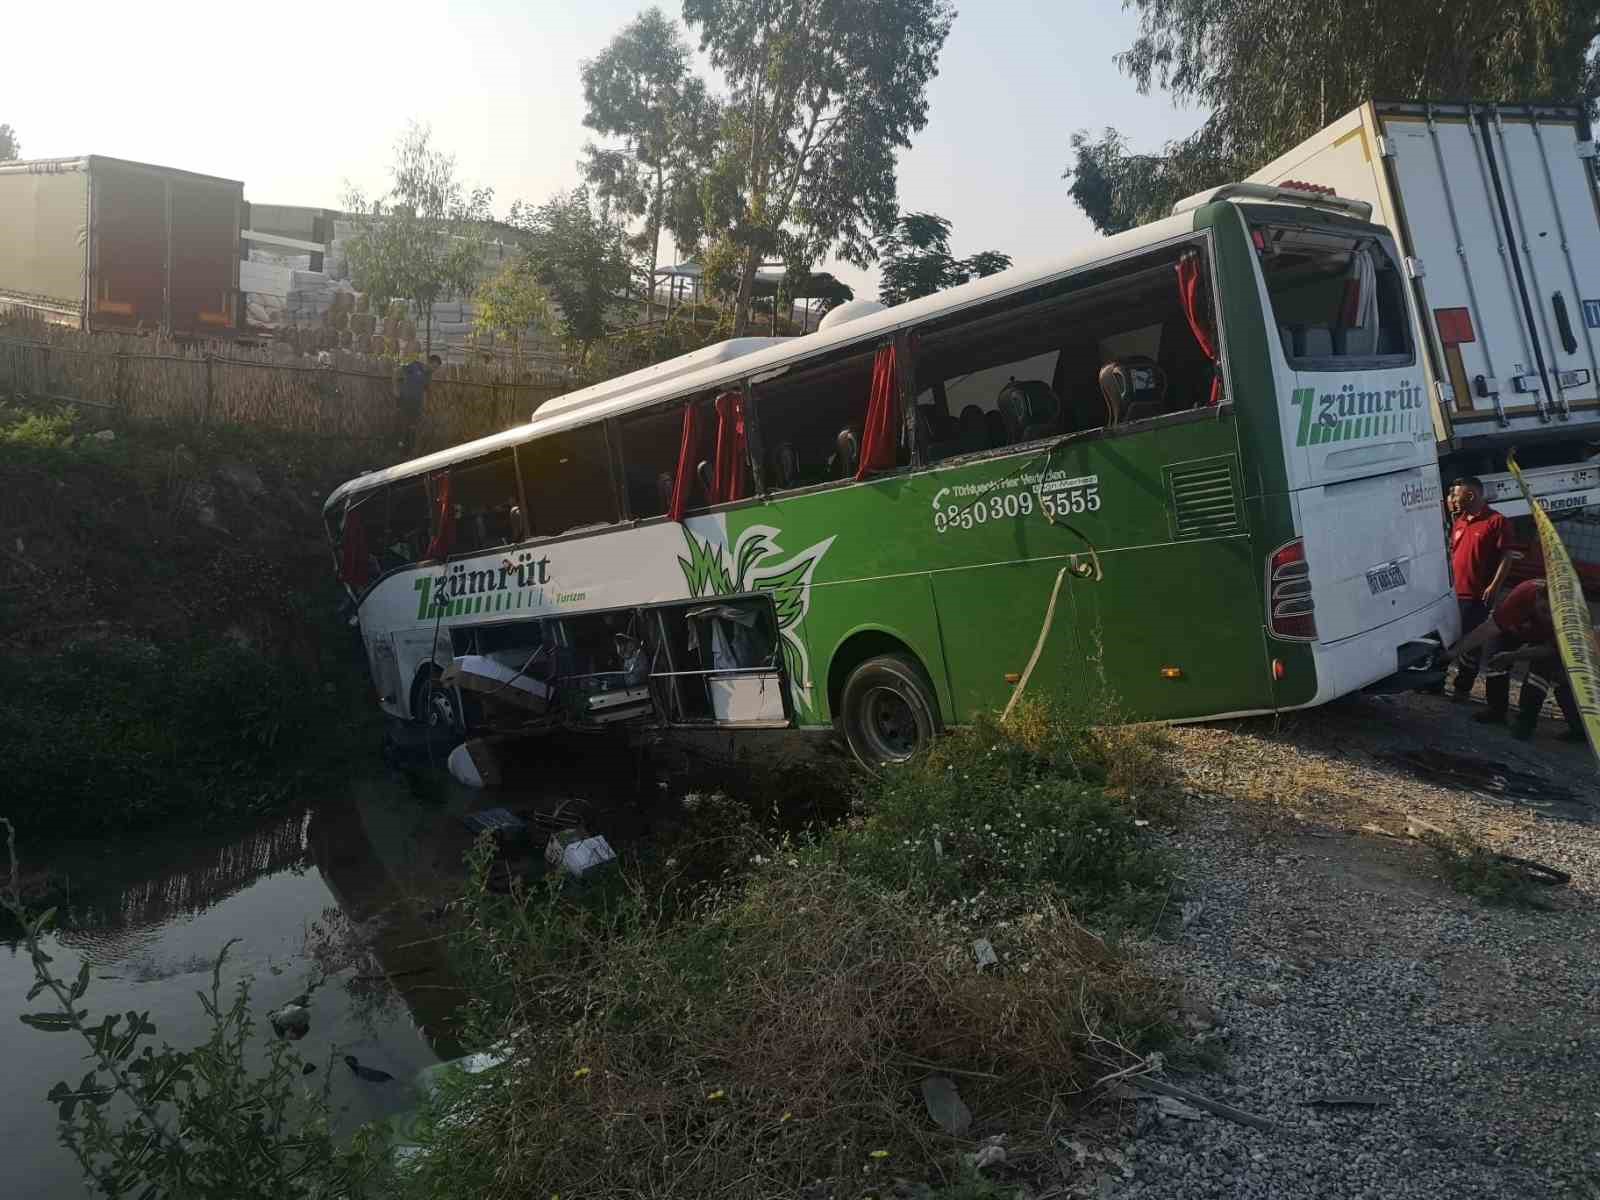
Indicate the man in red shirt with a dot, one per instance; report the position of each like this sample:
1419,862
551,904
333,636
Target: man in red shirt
1479,539
1521,629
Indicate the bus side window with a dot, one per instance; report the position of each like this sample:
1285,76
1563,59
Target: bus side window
650,443
811,420
1102,349
566,477
406,532
484,493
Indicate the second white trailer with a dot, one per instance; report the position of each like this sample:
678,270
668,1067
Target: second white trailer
1496,211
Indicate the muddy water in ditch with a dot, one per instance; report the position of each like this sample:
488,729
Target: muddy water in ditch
337,898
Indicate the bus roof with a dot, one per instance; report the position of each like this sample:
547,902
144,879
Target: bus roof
732,360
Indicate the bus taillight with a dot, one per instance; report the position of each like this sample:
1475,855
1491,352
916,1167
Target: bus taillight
1289,603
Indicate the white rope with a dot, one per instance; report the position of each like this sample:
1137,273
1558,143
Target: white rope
1038,646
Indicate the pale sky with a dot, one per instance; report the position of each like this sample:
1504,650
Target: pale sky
294,97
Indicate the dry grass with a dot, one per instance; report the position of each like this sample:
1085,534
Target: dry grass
151,379
781,1041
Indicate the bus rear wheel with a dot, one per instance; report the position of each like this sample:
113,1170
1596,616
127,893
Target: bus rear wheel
888,711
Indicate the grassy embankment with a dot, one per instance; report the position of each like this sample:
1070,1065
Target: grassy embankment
167,622
736,1014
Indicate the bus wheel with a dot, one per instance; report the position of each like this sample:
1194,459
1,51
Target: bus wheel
432,704
888,711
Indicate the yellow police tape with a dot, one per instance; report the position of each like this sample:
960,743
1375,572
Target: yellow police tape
1569,612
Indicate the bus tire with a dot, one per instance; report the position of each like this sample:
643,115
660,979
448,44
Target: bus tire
432,704
888,711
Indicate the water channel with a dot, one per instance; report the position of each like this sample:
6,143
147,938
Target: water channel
338,897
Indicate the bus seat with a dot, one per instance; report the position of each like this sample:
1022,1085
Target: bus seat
1290,335
973,433
1317,342
846,452
937,422
786,465
1135,388
1030,410
995,427
1358,340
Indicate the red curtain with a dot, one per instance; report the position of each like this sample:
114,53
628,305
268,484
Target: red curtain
444,518
882,426
727,475
688,444
355,567
1191,291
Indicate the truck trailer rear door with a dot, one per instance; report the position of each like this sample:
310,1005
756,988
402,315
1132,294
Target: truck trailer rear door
1550,205
1501,221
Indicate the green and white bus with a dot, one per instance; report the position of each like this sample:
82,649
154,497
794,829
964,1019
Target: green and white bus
1190,467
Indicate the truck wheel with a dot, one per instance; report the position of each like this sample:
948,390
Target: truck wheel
888,711
432,704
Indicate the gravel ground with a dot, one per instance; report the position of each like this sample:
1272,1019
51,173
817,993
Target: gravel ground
1336,962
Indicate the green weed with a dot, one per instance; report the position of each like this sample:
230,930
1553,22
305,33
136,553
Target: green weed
777,1039
201,1121
1474,870
1007,812
118,734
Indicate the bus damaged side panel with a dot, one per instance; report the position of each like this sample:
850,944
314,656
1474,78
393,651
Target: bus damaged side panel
704,662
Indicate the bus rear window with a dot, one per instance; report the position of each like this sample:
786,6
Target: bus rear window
1335,297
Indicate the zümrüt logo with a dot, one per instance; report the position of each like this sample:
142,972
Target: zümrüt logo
1351,414
518,581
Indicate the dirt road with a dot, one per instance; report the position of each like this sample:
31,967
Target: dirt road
1331,963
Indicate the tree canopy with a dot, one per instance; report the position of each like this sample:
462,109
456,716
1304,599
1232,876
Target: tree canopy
10,147
423,240
579,258
639,90
916,259
823,93
1271,74
511,301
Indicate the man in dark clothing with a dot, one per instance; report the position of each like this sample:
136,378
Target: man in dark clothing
410,395
1521,629
1479,539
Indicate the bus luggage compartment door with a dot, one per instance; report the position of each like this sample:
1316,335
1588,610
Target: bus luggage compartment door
718,661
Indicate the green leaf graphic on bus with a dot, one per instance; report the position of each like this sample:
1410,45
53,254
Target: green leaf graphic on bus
760,566
704,569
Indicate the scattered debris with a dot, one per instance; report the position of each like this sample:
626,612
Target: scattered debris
1347,1101
292,1021
991,1154
1168,1107
105,435
1162,1087
573,853
1416,827
501,822
983,951
369,1074
945,1105
1191,911
474,764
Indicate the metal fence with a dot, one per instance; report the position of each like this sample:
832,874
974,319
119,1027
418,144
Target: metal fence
337,394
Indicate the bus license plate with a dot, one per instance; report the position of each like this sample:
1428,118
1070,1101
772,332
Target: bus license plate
1386,577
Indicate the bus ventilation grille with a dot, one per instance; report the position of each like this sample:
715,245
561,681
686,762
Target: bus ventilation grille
1203,498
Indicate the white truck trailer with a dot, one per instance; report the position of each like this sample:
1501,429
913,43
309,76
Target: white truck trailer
1495,208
